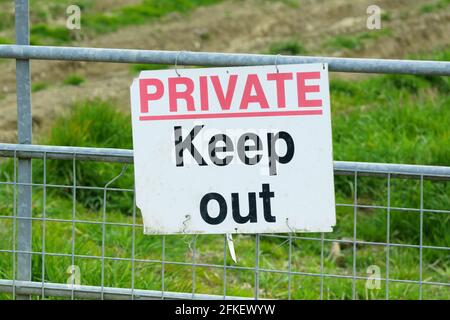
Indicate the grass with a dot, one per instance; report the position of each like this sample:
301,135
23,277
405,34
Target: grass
434,6
136,68
48,21
292,3
41,32
392,116
400,119
74,80
7,17
386,16
39,86
209,250
291,47
140,13
82,128
356,41
4,40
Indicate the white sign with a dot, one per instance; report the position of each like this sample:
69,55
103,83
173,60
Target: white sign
234,150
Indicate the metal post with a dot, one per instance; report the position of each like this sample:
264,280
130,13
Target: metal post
24,137
388,66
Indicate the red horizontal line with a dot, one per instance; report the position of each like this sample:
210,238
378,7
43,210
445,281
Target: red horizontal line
232,115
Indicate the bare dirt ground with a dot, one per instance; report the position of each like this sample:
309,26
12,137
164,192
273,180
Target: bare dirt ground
232,26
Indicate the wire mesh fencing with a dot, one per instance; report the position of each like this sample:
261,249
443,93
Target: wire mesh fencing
69,227
390,240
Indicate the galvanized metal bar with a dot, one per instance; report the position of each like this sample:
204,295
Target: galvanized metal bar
358,65
257,271
74,210
96,292
163,261
322,237
126,156
194,253
44,224
395,170
388,235
66,153
421,242
290,267
224,279
355,219
133,248
103,223
24,130
14,231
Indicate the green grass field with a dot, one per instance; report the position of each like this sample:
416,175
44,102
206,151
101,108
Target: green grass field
94,21
397,119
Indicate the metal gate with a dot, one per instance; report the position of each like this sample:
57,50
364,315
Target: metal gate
201,274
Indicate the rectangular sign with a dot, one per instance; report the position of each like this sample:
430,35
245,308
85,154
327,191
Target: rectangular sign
234,150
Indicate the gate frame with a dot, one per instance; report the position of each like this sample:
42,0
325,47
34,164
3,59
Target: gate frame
23,52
